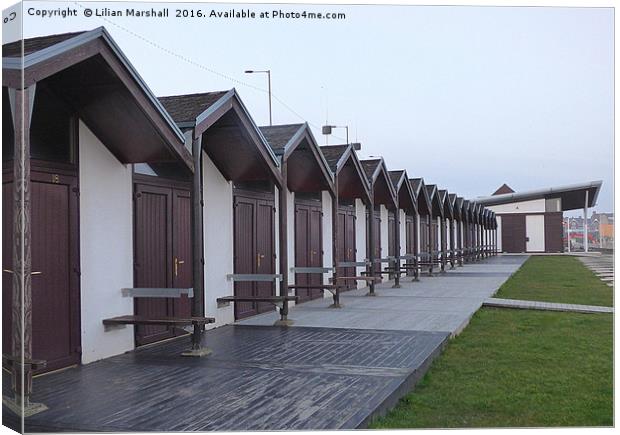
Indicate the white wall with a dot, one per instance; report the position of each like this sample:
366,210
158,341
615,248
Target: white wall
106,248
384,232
403,235
290,237
360,236
218,228
499,233
328,251
535,230
534,206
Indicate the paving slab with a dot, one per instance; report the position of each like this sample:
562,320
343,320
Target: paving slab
444,302
545,306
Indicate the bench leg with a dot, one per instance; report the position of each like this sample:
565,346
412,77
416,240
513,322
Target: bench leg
336,296
284,320
197,349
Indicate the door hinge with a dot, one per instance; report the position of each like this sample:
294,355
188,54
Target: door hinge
77,271
137,195
76,191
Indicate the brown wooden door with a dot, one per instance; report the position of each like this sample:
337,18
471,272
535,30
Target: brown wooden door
346,243
513,233
376,221
424,234
55,267
554,232
162,256
182,251
265,247
410,245
254,250
308,247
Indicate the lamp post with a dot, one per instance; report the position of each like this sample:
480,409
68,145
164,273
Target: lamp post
268,72
327,129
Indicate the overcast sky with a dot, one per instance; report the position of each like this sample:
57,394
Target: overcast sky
466,97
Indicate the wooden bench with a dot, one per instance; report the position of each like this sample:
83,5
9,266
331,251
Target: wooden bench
197,322
165,321
280,302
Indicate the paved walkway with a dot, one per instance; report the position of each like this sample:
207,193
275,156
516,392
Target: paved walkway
442,303
601,265
545,306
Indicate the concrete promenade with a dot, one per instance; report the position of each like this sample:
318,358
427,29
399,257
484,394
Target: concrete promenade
442,303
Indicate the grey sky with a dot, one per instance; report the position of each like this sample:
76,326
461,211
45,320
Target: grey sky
466,97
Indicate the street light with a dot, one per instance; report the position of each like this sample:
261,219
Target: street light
268,72
327,130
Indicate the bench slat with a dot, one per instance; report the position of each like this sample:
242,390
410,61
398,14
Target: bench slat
157,292
170,321
252,277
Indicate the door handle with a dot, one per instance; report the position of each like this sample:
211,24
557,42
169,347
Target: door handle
176,265
258,258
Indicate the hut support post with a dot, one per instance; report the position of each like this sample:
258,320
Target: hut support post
21,362
443,243
585,224
430,244
198,261
418,270
370,268
397,248
335,250
283,219
452,244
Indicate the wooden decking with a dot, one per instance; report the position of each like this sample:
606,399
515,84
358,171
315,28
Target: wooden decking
258,378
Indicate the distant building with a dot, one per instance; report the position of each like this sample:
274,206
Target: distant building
532,221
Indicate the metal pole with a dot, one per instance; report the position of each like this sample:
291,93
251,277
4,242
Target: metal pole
585,224
568,233
269,84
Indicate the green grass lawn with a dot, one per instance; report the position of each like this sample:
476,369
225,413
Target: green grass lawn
556,279
518,368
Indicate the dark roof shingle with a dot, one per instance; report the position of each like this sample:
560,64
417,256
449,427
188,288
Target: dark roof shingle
31,45
279,135
395,177
370,166
185,108
333,154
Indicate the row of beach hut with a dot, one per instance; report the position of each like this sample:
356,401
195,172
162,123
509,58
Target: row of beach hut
130,219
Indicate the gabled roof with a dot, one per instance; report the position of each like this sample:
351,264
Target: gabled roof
458,208
334,155
279,136
406,197
31,45
433,194
95,77
242,152
308,171
572,196
447,205
425,205
186,108
504,188
379,181
348,172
